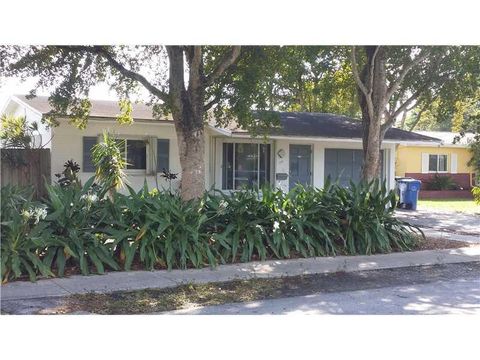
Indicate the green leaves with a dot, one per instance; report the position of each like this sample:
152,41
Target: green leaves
152,229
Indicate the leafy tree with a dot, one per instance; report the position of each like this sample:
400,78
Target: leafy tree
16,132
179,80
394,79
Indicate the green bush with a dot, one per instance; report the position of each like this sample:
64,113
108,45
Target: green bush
75,231
368,222
20,248
442,182
476,194
85,228
160,229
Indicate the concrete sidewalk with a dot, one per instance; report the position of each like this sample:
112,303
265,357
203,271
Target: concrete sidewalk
447,221
137,280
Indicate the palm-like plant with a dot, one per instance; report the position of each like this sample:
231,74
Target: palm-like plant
110,163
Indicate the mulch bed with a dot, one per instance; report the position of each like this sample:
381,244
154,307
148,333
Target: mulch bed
439,243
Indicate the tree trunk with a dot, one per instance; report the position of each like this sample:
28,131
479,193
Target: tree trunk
372,118
191,147
188,111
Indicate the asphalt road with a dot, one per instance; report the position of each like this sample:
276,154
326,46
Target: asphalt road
456,293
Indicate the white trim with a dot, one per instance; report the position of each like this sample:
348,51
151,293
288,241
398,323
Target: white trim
330,139
220,131
21,103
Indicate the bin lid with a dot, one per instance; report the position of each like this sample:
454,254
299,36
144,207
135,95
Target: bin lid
409,180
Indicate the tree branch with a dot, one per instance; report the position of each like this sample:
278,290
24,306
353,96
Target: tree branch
212,102
372,69
228,59
356,75
104,53
366,93
406,69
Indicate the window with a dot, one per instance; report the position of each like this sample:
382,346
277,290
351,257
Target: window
437,163
136,154
88,143
163,151
245,165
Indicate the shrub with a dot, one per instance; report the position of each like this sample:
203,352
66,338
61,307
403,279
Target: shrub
161,229
368,222
85,228
476,194
20,248
442,182
74,229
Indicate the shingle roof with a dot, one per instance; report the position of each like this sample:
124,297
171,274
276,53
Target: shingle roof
293,123
100,108
334,126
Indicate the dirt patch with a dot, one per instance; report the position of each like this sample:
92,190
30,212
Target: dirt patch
432,243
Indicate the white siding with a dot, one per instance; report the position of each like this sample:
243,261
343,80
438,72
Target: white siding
67,144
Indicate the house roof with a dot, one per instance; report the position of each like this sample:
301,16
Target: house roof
300,124
100,108
334,126
447,138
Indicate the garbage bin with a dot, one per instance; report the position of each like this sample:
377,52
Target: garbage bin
408,190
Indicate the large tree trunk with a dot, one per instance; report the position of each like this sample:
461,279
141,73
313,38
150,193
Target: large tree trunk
191,147
372,115
188,111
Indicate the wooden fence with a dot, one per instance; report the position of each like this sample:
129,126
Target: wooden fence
26,167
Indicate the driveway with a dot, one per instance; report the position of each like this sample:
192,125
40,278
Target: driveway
456,222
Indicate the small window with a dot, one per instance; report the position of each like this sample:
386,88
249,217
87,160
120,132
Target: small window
437,163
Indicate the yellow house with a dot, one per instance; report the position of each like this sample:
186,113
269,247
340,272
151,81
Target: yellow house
423,161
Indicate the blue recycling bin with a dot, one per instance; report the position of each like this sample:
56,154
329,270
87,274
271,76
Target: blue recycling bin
408,190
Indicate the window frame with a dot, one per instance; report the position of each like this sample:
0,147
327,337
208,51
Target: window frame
438,164
269,170
147,153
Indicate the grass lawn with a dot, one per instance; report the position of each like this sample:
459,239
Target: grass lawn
462,205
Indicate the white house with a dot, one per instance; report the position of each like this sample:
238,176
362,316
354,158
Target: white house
308,148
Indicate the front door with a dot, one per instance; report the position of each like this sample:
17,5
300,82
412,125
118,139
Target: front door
300,165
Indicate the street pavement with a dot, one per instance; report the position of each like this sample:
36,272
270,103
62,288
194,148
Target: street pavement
459,295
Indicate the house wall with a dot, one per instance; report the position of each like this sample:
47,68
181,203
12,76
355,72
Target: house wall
409,163
67,143
281,164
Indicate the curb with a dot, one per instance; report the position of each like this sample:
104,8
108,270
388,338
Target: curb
139,280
